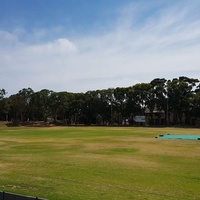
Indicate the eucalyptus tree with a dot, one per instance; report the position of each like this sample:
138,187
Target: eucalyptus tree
120,95
54,104
158,97
180,93
97,106
40,105
75,110
160,92
92,108
4,105
105,106
109,99
136,100
58,104
132,106
141,93
2,93
65,98
20,104
196,105
191,91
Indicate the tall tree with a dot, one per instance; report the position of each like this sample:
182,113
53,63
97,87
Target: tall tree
40,105
76,109
59,105
2,93
120,95
20,104
158,98
3,105
196,106
180,93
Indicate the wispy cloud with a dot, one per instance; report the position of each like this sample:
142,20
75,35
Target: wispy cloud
145,41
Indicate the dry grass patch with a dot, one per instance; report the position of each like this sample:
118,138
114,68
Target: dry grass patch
99,163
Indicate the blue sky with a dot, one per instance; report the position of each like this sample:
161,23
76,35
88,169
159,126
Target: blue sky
81,45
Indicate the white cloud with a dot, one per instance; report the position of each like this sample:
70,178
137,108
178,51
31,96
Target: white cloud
60,46
7,38
163,46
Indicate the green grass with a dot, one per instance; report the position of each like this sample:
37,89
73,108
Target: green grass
99,163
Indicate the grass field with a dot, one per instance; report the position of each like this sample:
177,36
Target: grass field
62,163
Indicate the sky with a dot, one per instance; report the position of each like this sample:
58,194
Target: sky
83,45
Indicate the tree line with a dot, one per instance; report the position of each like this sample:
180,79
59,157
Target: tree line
180,96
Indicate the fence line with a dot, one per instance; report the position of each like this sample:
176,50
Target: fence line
12,196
